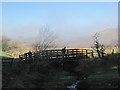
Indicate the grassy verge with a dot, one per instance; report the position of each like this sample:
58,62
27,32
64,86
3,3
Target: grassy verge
5,55
105,76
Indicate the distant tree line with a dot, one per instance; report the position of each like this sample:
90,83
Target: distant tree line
6,44
11,47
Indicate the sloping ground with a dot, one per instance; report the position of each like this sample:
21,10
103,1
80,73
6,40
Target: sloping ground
102,73
26,76
4,55
104,77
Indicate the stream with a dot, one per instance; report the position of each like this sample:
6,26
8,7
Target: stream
74,86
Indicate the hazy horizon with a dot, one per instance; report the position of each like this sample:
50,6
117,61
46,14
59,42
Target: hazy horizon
74,23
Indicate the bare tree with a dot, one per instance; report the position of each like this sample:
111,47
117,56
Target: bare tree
45,39
99,48
102,50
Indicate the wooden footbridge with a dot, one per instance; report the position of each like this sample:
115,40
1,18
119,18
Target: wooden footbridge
58,54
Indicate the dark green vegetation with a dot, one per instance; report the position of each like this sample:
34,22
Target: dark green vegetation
100,73
104,73
26,75
104,77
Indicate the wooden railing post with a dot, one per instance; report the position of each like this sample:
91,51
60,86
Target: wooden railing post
25,55
82,52
86,53
68,53
57,54
92,54
76,52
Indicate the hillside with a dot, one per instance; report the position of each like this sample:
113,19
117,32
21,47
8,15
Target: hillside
4,55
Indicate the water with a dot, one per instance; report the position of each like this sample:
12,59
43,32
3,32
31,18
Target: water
73,86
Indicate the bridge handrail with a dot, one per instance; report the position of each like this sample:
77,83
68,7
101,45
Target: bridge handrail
58,52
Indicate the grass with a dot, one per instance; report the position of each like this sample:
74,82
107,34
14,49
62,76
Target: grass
5,55
103,74
108,69
58,79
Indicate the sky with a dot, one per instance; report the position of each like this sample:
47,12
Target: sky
72,22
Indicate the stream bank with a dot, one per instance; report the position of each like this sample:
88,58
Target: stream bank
98,73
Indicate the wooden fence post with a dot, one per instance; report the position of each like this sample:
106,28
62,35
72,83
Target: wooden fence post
11,61
25,55
20,58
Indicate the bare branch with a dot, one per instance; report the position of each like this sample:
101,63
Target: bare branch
46,39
